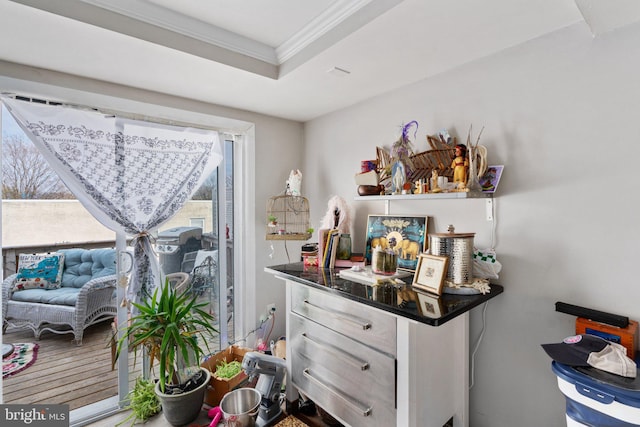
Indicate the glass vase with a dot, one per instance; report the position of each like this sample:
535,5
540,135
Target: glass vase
344,247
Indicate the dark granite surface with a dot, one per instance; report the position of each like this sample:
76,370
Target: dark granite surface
399,299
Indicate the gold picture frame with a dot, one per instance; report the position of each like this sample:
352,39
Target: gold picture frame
430,273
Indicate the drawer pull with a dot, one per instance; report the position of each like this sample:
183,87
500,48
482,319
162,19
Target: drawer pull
358,322
365,411
363,365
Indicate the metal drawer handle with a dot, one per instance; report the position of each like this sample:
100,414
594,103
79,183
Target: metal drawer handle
365,412
363,365
358,323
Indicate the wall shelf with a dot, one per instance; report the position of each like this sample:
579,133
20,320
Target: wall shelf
388,198
289,236
428,196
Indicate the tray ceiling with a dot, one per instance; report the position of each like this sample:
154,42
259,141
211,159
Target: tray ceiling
297,59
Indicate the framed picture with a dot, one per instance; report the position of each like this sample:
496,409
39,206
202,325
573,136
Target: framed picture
429,305
489,181
404,235
430,273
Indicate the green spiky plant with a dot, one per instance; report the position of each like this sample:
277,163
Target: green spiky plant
143,402
170,326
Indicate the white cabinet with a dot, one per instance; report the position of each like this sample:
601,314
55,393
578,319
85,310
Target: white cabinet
368,367
343,356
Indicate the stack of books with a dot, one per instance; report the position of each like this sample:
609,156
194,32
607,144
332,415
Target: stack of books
328,248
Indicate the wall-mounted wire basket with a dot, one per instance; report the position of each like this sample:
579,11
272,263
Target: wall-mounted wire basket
288,218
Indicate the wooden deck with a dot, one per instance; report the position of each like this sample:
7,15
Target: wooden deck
78,375
64,373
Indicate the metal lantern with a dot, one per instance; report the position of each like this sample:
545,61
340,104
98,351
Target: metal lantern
459,248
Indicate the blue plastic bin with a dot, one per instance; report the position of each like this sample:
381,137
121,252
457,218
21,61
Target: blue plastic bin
597,398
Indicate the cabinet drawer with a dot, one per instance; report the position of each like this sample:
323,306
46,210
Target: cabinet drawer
364,324
344,377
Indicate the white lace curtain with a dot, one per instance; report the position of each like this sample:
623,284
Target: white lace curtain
132,176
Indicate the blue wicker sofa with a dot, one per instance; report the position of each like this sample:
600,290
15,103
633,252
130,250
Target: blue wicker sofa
84,295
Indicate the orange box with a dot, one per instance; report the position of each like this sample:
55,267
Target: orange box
627,337
218,387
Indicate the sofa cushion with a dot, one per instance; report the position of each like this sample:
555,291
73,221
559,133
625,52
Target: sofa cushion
60,296
39,271
82,265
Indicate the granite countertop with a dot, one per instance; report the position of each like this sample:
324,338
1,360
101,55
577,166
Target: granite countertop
399,299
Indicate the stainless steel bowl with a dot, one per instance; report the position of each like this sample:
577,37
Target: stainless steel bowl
240,407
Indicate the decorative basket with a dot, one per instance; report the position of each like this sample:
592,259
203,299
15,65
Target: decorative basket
439,158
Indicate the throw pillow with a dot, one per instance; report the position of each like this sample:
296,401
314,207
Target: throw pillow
39,271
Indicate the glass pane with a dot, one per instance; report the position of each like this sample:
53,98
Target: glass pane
46,218
198,241
41,216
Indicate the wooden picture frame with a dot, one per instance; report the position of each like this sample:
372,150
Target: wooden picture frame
405,235
430,273
429,305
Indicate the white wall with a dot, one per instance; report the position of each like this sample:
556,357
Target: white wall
561,113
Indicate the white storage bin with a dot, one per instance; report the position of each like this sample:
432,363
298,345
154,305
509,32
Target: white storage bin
598,399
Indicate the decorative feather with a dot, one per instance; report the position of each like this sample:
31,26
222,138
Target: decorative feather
338,211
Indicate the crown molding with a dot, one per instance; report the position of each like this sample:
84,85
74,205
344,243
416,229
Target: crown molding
160,16
155,23
339,11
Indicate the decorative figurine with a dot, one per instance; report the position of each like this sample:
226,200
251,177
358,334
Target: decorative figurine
294,183
399,177
418,185
435,188
460,164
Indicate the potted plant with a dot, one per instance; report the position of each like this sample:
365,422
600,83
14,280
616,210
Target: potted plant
272,223
171,326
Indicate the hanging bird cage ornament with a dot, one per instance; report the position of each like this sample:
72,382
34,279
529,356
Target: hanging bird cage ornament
288,218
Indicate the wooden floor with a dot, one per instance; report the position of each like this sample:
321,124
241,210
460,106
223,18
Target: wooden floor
78,375
203,420
64,373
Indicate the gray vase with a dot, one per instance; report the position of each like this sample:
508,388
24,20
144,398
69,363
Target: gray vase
181,409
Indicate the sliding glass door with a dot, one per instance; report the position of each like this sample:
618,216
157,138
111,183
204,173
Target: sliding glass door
198,241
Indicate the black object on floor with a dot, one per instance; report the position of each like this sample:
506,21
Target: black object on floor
307,407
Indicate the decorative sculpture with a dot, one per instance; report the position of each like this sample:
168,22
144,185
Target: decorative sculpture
294,183
338,216
435,188
460,164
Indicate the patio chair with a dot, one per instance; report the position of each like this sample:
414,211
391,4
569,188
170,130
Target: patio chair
84,296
